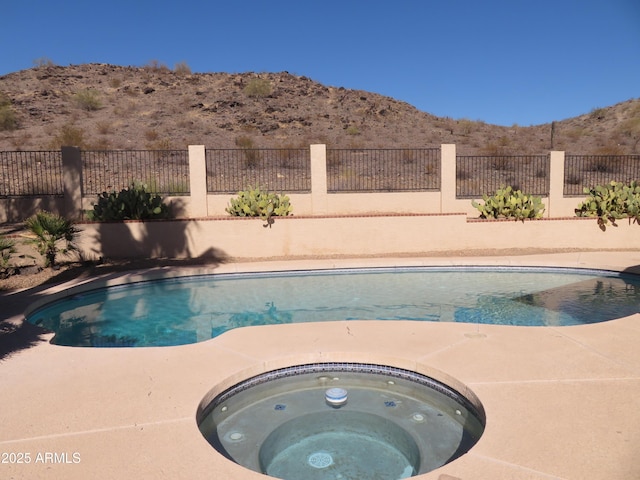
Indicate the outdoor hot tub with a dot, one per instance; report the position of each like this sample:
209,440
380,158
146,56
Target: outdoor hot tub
341,420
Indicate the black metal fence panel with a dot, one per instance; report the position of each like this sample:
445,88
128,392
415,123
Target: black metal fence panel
480,175
588,171
39,173
383,170
286,170
27,174
165,172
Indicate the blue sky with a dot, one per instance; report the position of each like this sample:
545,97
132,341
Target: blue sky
504,62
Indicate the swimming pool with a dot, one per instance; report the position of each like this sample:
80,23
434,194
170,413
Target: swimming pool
192,309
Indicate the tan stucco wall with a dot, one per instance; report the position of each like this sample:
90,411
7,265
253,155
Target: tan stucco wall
348,235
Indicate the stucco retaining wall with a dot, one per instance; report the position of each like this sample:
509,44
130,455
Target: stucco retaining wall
344,235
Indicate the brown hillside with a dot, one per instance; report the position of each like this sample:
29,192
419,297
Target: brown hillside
100,106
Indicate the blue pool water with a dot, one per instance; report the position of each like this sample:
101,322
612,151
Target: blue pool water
193,309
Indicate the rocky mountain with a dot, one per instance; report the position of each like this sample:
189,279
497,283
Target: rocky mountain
98,106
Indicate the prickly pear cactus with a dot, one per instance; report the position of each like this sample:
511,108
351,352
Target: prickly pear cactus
257,202
132,203
611,202
509,203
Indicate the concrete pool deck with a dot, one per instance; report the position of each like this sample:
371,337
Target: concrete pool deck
561,402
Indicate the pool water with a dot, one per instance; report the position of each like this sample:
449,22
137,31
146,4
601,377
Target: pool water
356,444
193,309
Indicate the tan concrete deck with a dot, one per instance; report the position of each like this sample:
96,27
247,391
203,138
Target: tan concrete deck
561,402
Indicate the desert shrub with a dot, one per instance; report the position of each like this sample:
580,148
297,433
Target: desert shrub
132,203
7,248
502,163
352,130
88,99
156,66
19,140
631,126
43,62
105,128
249,150
7,115
244,142
5,101
181,68
151,135
52,235
507,202
467,126
256,202
161,145
7,119
68,136
598,113
603,162
611,202
333,158
258,88
175,186
101,143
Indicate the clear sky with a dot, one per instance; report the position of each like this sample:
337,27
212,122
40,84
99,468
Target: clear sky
505,62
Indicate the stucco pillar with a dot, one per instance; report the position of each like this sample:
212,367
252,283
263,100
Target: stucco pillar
556,185
72,182
197,182
448,179
318,155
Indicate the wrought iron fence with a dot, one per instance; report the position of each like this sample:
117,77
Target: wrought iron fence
162,171
588,171
479,175
383,170
285,170
27,174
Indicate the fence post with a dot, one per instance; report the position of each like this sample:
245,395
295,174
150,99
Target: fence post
72,182
448,179
318,155
556,184
197,182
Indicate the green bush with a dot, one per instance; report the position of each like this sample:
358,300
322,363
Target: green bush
88,99
611,202
52,234
7,248
258,88
7,115
255,202
7,119
509,203
132,203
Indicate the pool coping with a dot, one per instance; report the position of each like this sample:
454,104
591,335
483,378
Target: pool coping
560,401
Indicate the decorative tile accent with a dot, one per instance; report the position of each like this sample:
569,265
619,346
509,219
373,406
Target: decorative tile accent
385,370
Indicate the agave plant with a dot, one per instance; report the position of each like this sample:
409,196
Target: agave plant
7,247
52,234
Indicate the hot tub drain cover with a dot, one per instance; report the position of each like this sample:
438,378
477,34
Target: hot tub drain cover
320,460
